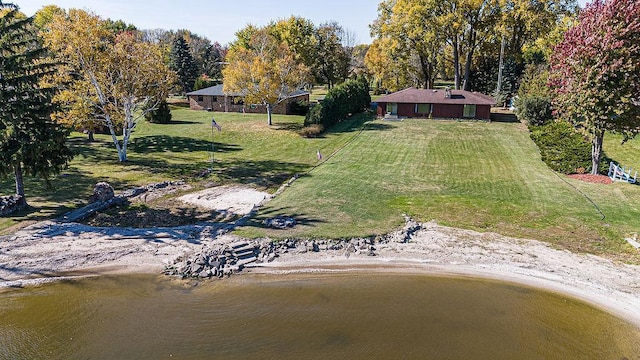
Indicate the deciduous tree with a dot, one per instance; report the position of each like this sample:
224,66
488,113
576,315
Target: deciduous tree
331,60
29,140
115,79
596,72
412,27
264,70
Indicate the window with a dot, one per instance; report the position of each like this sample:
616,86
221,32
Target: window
237,100
392,108
200,98
423,109
214,99
469,111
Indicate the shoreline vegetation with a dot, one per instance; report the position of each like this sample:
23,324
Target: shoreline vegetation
478,190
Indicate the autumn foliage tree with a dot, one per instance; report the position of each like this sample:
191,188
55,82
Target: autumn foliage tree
264,70
410,26
109,78
596,72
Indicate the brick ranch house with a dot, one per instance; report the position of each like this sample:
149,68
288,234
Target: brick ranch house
441,103
214,99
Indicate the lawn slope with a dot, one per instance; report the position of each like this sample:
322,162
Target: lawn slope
476,175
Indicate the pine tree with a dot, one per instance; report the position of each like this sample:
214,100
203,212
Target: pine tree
181,61
30,141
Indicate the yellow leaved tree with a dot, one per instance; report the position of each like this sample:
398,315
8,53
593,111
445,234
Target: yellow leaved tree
264,70
107,79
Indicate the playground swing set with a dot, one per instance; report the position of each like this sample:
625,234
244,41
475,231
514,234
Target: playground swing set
621,173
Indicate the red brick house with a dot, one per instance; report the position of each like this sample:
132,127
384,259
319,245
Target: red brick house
214,99
440,103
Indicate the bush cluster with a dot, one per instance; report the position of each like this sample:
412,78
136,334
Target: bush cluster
561,147
346,99
161,115
534,110
299,108
312,131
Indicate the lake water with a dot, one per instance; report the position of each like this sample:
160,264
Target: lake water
345,316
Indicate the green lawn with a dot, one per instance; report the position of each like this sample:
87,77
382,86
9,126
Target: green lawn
247,151
477,175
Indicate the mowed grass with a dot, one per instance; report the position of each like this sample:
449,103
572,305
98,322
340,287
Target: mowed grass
247,151
475,175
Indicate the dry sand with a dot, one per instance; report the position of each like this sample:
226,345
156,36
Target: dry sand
49,251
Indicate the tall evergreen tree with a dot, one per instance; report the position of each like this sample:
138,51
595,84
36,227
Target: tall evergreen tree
182,62
30,141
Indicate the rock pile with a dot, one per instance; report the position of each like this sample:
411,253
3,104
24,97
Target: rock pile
219,261
10,204
280,222
225,259
405,234
102,192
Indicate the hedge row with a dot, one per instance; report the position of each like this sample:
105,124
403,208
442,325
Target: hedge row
562,148
348,98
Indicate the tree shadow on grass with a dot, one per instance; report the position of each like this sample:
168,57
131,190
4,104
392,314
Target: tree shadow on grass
265,173
262,174
163,143
178,122
295,127
356,122
69,190
263,214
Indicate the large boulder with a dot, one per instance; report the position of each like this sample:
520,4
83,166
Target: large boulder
102,192
10,204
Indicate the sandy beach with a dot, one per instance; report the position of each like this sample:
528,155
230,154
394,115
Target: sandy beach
52,250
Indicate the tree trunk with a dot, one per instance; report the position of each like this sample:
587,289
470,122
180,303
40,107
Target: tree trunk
456,63
427,71
17,169
91,138
596,153
467,66
269,108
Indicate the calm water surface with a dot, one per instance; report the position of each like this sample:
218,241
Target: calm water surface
352,316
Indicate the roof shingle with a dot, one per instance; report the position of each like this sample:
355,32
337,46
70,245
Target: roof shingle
436,96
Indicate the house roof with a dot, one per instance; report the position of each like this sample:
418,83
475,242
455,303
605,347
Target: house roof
436,96
217,90
212,91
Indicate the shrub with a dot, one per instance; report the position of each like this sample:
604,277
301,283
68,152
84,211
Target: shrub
562,148
534,110
346,99
161,115
312,131
299,107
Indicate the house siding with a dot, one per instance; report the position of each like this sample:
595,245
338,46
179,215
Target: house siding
455,111
225,104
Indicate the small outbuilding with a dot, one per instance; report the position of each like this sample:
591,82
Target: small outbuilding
436,103
215,99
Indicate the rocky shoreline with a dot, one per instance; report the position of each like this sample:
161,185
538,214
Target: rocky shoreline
224,259
64,249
